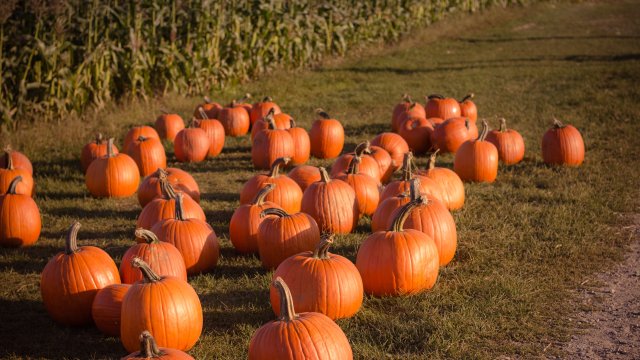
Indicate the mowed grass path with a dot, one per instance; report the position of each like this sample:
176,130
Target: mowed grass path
525,242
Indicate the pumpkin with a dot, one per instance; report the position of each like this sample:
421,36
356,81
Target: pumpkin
20,161
417,133
106,307
395,146
194,238
399,261
304,175
282,121
245,104
191,145
235,119
435,121
368,165
386,207
562,145
162,257
92,151
405,110
440,107
149,349
20,222
287,193
477,160
366,188
9,172
168,125
215,133
262,108
509,143
165,304
385,163
332,203
150,188
271,144
327,136
282,235
448,136
468,109
321,282
148,153
243,228
72,278
308,335
433,218
164,207
301,144
452,188
113,175
211,109
137,131
396,187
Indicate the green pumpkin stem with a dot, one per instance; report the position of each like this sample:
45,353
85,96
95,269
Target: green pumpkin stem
322,114
398,222
407,166
275,167
179,213
324,175
148,347
322,250
110,153
266,189
71,243
149,275
484,132
467,97
287,311
274,211
13,185
503,125
146,235
432,159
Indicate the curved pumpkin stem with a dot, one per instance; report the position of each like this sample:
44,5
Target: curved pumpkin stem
354,165
149,275
13,185
362,148
179,213
110,153
275,167
271,122
485,131
148,347
287,312
203,114
322,114
558,124
71,243
8,158
274,211
503,125
324,175
435,96
398,222
146,235
432,159
99,139
168,192
467,97
292,123
406,166
322,250
266,189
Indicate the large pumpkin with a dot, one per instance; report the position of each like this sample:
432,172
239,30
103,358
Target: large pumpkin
148,153
405,110
106,308
19,160
562,145
191,145
301,144
477,160
261,108
137,131
309,335
72,278
164,207
270,144
417,132
166,305
163,258
440,107
235,119
396,187
9,172
327,136
366,188
287,193
321,282
468,108
449,135
94,150
452,188
304,175
243,228
168,125
215,133
395,146
149,349
367,165
113,175
282,121
509,143
211,109
20,222
150,188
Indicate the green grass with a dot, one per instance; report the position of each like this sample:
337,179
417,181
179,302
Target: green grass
525,242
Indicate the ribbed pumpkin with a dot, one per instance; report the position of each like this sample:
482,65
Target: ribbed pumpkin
385,163
106,308
327,136
281,235
477,160
395,146
191,145
149,349
262,108
243,228
452,188
9,172
301,144
215,133
20,222
562,145
386,207
166,305
321,282
235,119
162,257
270,144
194,238
72,278
310,335
148,153
396,187
468,108
169,125
211,109
366,188
137,131
113,175
398,261
448,136
282,121
405,110
20,161
304,175
441,107
332,203
164,207
150,188
92,151
509,143
287,193
368,165
417,133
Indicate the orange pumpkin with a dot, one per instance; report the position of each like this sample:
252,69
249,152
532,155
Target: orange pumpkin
164,207
235,119
215,133
72,278
562,145
243,228
321,282
307,335
244,103
169,125
149,350
106,308
304,175
262,108
113,175
162,257
366,188
368,165
10,172
287,193
452,188
427,186
386,207
301,144
385,163
395,146
468,109
94,150
20,161
448,136
327,136
405,110
20,222
417,133
149,155
282,121
509,143
191,145
477,160
270,144
211,109
441,107
137,131
150,188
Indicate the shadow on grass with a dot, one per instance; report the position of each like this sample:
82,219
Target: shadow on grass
254,310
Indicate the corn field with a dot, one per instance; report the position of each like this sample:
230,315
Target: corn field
58,57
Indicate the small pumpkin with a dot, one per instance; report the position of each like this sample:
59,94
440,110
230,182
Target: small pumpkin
440,107
405,110
417,133
162,257
9,172
19,160
211,109
169,125
243,228
385,163
282,121
270,144
327,136
304,175
94,150
468,109
367,165
452,188
191,145
137,131
20,221
301,144
396,187
215,133
562,145
164,207
509,143
235,119
106,308
287,193
149,155
150,188
113,175
448,136
395,145
149,349
366,188
477,160
262,108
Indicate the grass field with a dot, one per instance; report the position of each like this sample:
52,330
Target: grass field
525,242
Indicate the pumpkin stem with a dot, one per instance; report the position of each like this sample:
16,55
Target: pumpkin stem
13,185
233,103
246,97
149,275
275,167
414,189
435,96
503,125
203,113
322,114
485,131
406,166
148,347
274,211
142,138
207,100
267,99
363,148
8,158
432,159
322,250
71,243
110,153
406,98
467,123
146,235
266,189
467,97
179,214
354,165
287,312
99,139
558,124
168,192
292,123
271,122
160,172
164,111
324,175
403,214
